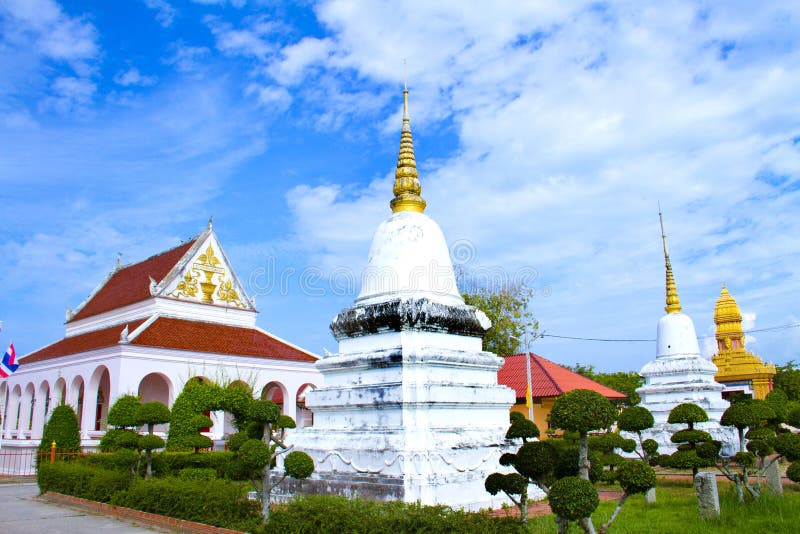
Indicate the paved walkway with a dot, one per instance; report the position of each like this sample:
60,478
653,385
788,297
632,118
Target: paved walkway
23,514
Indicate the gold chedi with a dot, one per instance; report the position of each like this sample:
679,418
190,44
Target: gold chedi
737,366
407,189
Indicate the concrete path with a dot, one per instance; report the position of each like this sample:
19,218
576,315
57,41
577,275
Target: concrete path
23,514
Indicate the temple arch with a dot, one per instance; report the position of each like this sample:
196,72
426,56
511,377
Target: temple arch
42,409
98,391
275,392
156,387
59,394
4,394
26,409
13,411
75,398
305,417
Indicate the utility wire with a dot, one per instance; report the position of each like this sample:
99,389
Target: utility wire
577,338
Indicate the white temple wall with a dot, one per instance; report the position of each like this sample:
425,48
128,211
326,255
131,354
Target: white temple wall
128,367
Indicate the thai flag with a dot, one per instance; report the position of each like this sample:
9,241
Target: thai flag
9,363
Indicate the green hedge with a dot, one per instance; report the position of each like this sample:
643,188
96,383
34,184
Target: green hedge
81,481
315,513
221,503
172,463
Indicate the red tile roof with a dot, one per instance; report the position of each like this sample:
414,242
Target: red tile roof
548,379
131,284
179,334
216,338
96,339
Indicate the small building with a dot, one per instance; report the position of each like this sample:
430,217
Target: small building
739,370
147,329
548,381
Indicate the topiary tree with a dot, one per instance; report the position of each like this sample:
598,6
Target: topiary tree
122,422
605,446
634,476
694,446
763,438
63,430
574,499
151,414
258,447
197,398
582,411
533,461
635,419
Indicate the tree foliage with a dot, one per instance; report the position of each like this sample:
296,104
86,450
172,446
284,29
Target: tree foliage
787,379
507,308
63,429
623,381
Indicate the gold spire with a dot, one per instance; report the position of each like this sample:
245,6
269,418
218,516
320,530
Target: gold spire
673,302
406,180
728,318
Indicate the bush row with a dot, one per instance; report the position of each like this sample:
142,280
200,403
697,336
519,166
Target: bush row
165,463
316,513
81,480
221,503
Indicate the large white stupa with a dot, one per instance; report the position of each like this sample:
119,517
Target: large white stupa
679,373
411,409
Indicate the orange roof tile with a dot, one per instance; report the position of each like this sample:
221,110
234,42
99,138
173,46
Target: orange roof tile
96,339
131,284
216,338
548,379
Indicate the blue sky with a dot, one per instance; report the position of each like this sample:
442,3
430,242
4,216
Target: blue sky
546,134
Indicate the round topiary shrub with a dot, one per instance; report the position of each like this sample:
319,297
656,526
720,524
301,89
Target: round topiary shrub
152,413
760,433
237,440
119,438
635,419
650,446
284,421
709,450
263,412
793,418
582,410
298,465
123,413
150,442
535,459
573,498
793,472
522,428
744,459
690,436
635,476
739,415
788,445
253,455
687,413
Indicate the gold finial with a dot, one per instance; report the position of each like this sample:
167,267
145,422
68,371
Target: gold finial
673,302
406,179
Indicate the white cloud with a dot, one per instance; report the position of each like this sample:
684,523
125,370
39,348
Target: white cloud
270,96
186,58
55,35
132,76
234,3
572,123
252,40
298,57
165,13
70,94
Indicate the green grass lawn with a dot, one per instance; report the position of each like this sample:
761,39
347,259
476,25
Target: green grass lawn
675,511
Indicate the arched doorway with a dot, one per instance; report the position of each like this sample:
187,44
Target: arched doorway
305,417
275,392
101,386
156,387
76,392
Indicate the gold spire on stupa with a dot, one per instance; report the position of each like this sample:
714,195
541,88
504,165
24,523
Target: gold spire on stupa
406,180
673,302
735,364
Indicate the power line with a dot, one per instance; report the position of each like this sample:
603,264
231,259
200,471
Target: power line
607,340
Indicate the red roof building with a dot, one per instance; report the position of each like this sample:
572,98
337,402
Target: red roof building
548,381
147,329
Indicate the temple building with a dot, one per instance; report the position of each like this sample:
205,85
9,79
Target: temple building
410,408
147,329
679,373
548,381
739,370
